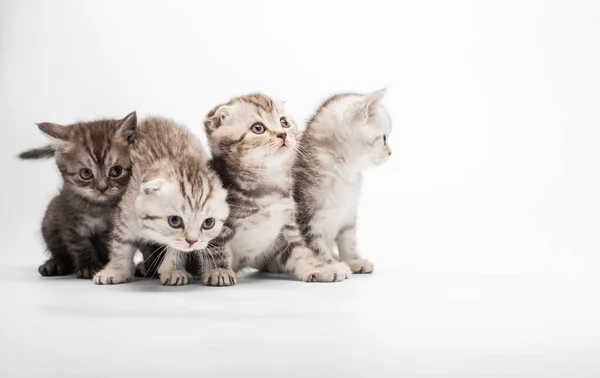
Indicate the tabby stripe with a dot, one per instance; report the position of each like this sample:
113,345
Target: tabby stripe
150,217
346,228
284,255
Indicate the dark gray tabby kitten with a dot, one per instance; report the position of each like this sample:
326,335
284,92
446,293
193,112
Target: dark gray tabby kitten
93,159
253,143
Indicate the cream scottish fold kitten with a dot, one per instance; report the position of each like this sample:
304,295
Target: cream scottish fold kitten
173,200
348,134
253,141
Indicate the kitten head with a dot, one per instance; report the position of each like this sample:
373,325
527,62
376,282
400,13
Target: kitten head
184,208
254,130
356,122
93,157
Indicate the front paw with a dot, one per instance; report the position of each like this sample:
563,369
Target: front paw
54,267
111,276
87,272
219,277
176,278
330,271
360,266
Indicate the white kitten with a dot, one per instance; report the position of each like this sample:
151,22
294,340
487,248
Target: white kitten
348,134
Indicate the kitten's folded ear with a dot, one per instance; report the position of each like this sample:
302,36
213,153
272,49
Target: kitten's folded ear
369,101
152,186
214,119
58,133
126,127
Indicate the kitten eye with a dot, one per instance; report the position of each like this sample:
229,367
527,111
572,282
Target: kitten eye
258,128
208,223
284,122
86,174
385,139
115,171
175,221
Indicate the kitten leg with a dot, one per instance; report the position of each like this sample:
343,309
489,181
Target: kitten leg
346,242
84,254
215,263
59,264
172,270
305,264
122,246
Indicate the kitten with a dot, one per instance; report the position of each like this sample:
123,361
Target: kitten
173,201
93,159
253,144
348,134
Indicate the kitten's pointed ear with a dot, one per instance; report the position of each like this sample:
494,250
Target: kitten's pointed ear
126,127
152,186
58,133
369,101
214,119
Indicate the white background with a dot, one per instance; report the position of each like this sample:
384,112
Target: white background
483,226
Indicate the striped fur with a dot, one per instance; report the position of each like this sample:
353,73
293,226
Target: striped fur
170,177
256,170
77,221
347,134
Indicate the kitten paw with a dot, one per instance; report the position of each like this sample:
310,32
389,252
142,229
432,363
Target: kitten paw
87,272
53,267
110,276
360,266
176,278
219,277
331,271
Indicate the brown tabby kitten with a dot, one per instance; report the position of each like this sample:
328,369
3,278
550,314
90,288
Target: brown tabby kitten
253,142
174,206
93,159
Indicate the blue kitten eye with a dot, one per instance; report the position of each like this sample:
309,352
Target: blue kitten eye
86,173
284,122
115,171
258,128
175,221
208,223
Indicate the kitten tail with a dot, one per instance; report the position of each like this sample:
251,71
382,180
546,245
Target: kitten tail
38,153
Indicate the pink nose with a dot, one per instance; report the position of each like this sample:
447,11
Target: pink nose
191,241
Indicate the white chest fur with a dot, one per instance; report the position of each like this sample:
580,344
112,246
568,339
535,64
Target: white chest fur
257,233
339,206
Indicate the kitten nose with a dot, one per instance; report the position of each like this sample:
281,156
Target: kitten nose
102,187
191,240
282,135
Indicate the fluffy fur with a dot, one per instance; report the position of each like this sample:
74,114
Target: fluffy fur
253,142
93,159
347,134
170,178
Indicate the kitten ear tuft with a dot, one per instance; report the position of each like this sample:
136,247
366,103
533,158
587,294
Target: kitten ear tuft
126,127
369,101
152,186
376,96
56,132
214,119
